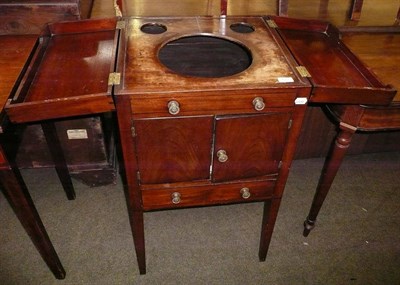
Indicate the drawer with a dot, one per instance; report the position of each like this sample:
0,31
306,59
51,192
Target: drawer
204,103
207,195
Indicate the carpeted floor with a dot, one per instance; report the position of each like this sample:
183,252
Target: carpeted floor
356,241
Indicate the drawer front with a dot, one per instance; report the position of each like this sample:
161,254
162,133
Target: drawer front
207,195
204,104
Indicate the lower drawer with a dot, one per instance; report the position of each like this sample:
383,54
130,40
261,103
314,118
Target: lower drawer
204,195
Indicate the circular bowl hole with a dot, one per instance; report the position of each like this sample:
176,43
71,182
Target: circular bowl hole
242,28
205,56
153,28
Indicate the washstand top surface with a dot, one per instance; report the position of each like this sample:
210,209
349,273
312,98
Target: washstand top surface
202,53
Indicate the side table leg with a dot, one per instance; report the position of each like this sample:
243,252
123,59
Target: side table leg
330,169
17,194
57,154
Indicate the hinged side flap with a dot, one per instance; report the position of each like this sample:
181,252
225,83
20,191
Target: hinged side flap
303,71
114,78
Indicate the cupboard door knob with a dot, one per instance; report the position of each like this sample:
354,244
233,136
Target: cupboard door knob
173,107
258,104
222,156
176,197
245,193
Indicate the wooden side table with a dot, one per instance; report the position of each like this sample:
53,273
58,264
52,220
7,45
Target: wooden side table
383,58
15,52
40,108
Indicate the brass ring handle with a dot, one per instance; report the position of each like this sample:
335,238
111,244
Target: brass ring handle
222,156
176,197
173,107
258,104
245,193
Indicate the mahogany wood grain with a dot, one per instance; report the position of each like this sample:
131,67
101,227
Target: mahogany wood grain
214,112
336,74
16,50
207,194
173,150
15,191
164,153
131,186
66,53
382,57
254,145
144,73
218,101
50,134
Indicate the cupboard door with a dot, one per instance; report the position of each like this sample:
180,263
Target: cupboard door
174,150
249,146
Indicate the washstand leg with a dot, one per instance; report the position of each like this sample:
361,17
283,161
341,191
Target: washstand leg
270,214
137,225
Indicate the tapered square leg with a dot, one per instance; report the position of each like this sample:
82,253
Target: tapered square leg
16,193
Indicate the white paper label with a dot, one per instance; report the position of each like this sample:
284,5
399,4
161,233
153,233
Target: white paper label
285,79
301,101
77,134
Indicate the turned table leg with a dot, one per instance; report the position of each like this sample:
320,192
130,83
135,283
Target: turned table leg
15,191
57,154
331,167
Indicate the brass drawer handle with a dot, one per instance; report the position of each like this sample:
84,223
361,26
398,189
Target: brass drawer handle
222,156
176,197
173,107
245,193
258,104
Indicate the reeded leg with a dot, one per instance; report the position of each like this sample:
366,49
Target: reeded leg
16,193
331,167
57,154
269,218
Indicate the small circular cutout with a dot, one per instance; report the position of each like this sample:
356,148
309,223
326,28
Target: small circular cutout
243,28
205,56
153,28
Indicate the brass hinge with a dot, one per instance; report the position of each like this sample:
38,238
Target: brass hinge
133,131
280,164
303,71
272,24
290,123
114,78
138,175
120,25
